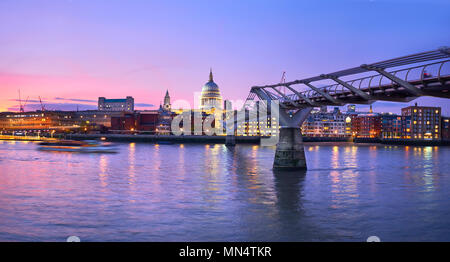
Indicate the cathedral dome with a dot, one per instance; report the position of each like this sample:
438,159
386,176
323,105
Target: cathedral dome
210,86
210,96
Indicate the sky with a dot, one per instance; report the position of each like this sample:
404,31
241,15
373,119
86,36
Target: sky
70,52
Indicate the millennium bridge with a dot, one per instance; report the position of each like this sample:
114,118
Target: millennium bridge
399,79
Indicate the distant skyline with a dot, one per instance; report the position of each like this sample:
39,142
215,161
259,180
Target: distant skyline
72,52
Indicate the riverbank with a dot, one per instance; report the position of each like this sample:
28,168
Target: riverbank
220,139
164,138
408,142
25,138
326,139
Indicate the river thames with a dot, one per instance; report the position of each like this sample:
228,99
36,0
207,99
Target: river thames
197,192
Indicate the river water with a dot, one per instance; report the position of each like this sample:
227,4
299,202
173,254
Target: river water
190,192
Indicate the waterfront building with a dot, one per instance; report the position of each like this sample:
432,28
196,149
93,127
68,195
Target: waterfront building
391,126
118,105
327,124
445,128
95,119
366,125
256,124
422,122
38,121
406,127
125,122
145,121
210,98
60,121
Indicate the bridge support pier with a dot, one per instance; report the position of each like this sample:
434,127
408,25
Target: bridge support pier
290,154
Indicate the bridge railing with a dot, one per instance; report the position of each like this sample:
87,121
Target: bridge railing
423,73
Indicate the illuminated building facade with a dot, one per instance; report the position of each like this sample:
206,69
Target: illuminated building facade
257,124
445,128
38,121
327,124
422,122
95,119
117,105
366,126
391,126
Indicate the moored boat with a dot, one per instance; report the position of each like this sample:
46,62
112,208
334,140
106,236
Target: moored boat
87,146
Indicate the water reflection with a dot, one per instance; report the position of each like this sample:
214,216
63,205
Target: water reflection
151,192
288,188
422,167
131,163
289,192
103,175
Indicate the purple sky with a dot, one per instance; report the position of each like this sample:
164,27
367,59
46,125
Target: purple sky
71,52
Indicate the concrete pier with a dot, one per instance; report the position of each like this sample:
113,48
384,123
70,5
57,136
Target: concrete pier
290,154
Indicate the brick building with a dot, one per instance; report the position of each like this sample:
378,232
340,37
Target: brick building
422,122
366,126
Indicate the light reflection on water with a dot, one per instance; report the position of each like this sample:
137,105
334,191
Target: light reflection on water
151,192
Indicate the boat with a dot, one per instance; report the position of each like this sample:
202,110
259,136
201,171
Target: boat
86,146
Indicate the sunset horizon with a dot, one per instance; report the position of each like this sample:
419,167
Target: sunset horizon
82,50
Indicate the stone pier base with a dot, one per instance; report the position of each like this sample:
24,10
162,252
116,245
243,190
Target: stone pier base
290,154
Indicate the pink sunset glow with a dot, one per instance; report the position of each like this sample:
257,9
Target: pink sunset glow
79,50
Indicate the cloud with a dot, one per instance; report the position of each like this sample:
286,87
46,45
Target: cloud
25,100
143,105
64,106
76,100
55,106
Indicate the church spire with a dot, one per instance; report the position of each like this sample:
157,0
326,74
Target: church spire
210,75
166,104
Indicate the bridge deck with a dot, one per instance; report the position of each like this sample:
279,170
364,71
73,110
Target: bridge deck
387,92
385,86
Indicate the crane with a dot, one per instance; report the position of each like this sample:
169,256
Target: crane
42,105
22,107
